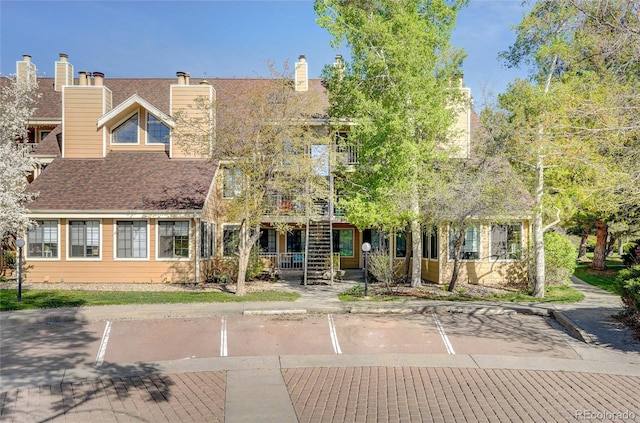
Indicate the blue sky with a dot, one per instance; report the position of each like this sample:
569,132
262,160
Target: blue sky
217,38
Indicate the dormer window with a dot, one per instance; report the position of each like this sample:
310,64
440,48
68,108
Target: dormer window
157,132
127,131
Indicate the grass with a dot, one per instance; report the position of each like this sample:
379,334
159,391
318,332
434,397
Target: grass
35,299
601,278
554,294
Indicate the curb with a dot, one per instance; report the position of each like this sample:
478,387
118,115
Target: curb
572,327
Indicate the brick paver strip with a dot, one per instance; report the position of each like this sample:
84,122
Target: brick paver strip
411,394
187,397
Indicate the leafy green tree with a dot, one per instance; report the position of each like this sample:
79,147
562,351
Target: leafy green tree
260,133
398,89
575,113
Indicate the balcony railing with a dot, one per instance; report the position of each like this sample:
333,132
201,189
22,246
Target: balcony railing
290,261
347,154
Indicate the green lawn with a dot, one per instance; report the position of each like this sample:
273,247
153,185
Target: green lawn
602,279
557,294
34,299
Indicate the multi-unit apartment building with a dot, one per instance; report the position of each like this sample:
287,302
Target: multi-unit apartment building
120,201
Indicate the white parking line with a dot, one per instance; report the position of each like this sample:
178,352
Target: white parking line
445,339
223,337
103,345
334,335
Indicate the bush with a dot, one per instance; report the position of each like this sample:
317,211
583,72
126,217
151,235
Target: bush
560,258
631,254
627,284
380,267
10,259
591,244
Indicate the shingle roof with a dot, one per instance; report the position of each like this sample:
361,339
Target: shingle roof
154,90
140,181
50,145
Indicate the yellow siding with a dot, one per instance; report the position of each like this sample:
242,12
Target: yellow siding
183,101
82,106
461,140
107,269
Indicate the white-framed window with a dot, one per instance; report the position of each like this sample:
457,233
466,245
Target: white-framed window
506,241
132,239
42,240
157,132
84,239
173,239
231,181
230,239
343,242
470,249
127,131
204,239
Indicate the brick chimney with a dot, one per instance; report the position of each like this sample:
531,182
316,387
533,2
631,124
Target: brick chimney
25,70
301,74
63,73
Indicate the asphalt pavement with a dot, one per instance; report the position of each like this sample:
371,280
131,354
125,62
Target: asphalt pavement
602,385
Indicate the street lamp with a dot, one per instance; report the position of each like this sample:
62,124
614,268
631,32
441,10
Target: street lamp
366,247
20,244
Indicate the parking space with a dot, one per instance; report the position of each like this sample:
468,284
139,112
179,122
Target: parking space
133,341
48,347
506,335
383,334
283,334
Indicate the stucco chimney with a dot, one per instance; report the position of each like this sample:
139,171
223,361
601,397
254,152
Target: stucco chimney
25,70
181,78
187,78
98,79
301,74
338,65
63,73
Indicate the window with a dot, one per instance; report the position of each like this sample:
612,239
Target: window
343,242
268,240
506,241
401,244
157,132
320,159
127,131
425,244
230,240
43,134
131,239
173,239
42,241
212,240
204,239
84,236
376,238
296,241
433,244
232,182
470,249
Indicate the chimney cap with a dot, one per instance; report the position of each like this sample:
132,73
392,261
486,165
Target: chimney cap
97,74
302,58
26,57
204,82
180,73
63,55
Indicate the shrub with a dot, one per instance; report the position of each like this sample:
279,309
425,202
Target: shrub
380,267
591,244
560,258
627,284
631,254
10,259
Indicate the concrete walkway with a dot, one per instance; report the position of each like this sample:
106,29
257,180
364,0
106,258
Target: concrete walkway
602,385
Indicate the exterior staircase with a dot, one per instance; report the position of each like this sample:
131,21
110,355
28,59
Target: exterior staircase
318,269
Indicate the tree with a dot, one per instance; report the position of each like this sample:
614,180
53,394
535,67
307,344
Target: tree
17,104
576,111
399,90
261,134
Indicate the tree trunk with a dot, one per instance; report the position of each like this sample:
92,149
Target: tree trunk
612,244
407,252
582,250
416,251
538,234
600,252
457,245
245,245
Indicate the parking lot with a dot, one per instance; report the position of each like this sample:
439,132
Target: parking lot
65,345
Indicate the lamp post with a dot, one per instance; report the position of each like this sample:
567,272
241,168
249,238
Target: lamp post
20,244
366,247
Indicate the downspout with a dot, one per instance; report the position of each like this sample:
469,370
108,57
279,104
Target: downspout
198,248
